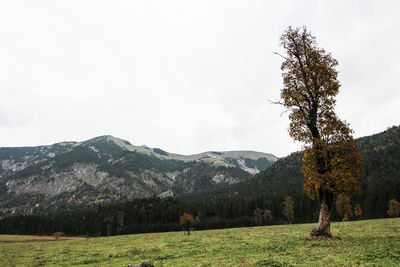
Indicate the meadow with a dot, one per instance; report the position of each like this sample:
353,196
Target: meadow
361,243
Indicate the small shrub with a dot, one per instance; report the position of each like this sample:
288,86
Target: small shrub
57,235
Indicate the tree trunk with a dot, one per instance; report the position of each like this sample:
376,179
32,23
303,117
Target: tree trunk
324,223
326,197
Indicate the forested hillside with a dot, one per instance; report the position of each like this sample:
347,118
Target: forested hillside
380,183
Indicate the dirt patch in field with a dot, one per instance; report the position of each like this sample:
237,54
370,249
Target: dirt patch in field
29,239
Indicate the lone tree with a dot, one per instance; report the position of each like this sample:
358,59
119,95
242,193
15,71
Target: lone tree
288,208
186,221
331,162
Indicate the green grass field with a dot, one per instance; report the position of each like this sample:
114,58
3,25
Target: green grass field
363,243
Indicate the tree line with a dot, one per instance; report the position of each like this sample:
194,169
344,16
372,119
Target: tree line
161,215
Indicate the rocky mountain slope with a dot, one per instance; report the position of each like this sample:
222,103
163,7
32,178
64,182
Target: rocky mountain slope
105,169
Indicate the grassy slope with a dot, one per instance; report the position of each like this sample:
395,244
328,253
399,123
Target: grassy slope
370,242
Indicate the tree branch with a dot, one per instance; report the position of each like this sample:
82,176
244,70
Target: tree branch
276,102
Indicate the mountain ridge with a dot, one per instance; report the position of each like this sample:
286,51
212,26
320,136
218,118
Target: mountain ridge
107,169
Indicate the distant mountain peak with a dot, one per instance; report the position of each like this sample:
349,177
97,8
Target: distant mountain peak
106,167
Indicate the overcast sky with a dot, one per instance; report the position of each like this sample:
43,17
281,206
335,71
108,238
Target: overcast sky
185,76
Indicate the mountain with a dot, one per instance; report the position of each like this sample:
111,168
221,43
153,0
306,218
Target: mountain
380,183
227,205
106,169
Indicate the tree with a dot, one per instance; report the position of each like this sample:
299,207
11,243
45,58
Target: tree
262,217
186,221
331,162
288,208
57,235
258,216
120,220
357,211
267,216
109,220
393,208
343,207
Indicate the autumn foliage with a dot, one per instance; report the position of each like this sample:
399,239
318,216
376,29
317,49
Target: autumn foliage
262,217
343,207
357,211
288,208
332,163
186,221
393,208
340,171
